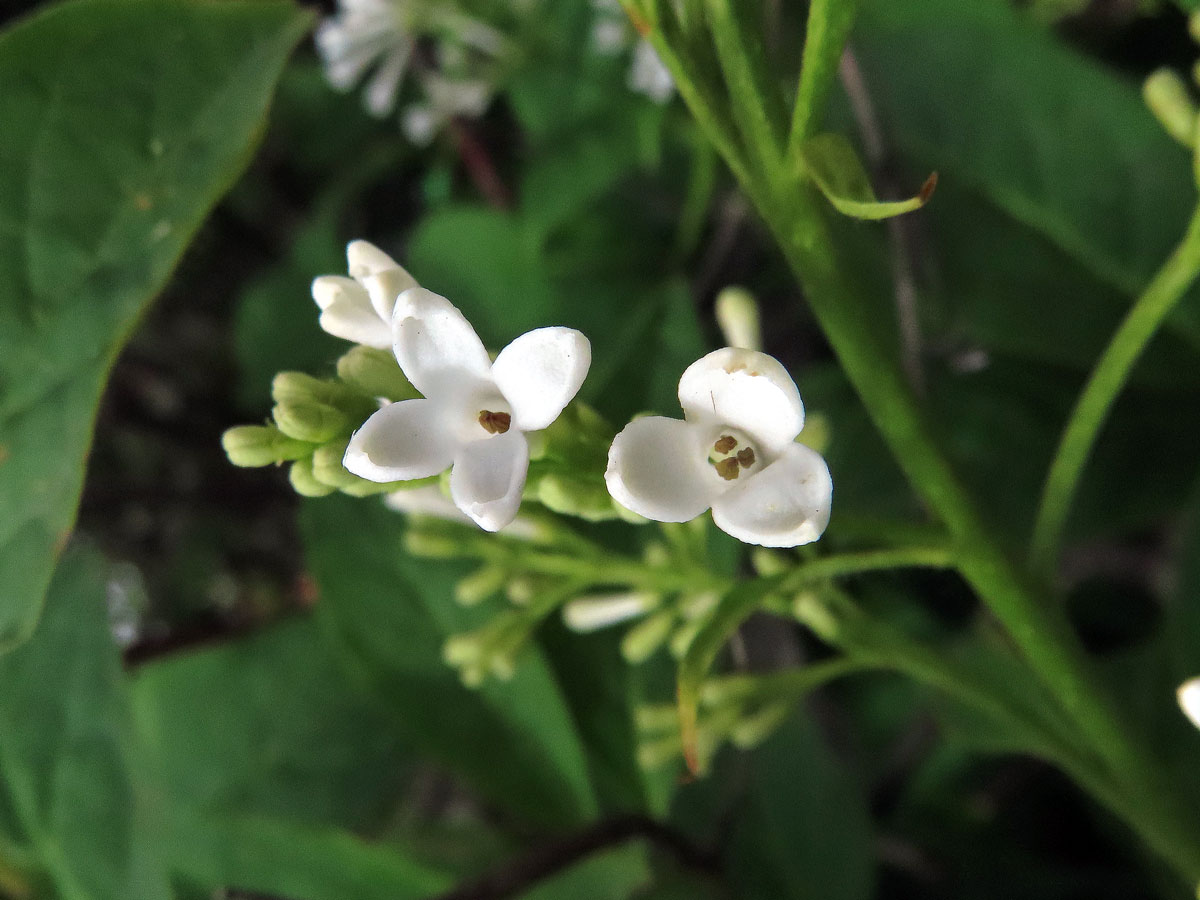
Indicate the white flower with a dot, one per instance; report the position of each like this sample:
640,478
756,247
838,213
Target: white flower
648,75
384,34
359,308
475,413
735,453
1188,696
446,98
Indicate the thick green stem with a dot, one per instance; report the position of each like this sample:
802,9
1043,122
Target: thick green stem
1106,382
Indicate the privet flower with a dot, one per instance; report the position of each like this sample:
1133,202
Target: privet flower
735,452
1188,696
384,34
359,307
612,33
474,413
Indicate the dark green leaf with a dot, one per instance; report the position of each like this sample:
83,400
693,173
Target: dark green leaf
67,761
124,122
390,613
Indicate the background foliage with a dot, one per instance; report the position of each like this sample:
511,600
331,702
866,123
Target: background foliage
207,684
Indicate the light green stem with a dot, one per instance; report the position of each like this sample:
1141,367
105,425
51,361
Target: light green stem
1106,382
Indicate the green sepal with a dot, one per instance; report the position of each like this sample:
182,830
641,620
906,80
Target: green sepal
252,446
834,167
375,373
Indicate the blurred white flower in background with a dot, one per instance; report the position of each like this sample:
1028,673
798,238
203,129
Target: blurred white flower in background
385,37
613,33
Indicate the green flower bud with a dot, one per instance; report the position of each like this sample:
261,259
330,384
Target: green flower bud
737,317
657,718
656,754
328,468
641,641
767,562
682,639
1167,96
484,582
311,421
297,387
580,437
573,496
304,482
375,373
251,446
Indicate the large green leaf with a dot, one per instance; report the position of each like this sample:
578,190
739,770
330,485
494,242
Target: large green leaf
124,122
67,764
390,613
270,726
1029,136
803,830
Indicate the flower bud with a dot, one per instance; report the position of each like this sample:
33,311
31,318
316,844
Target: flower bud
767,562
640,642
753,730
602,610
484,582
311,421
251,446
571,496
430,544
375,373
304,482
297,387
681,640
657,718
738,319
1188,696
817,432
1167,96
328,468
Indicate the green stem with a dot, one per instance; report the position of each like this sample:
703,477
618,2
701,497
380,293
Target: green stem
825,567
1106,382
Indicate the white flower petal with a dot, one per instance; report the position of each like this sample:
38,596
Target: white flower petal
435,345
596,611
783,505
1188,695
328,288
384,84
383,288
658,468
352,318
747,390
488,477
540,372
648,75
402,441
363,258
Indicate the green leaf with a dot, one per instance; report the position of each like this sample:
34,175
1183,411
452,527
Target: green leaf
803,829
302,862
67,762
1059,145
834,166
291,736
614,874
124,121
514,741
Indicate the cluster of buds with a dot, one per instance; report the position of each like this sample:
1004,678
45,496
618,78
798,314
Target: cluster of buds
312,421
1169,98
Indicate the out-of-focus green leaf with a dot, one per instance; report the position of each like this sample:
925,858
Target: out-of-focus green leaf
1059,144
389,613
270,726
803,829
67,762
301,862
123,123
834,166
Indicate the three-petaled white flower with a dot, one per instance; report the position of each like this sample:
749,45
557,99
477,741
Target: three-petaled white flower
474,413
735,452
359,307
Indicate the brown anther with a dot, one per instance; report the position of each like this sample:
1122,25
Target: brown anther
725,444
746,457
728,468
494,422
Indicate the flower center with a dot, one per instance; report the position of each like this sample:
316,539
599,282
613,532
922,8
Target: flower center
494,422
729,456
